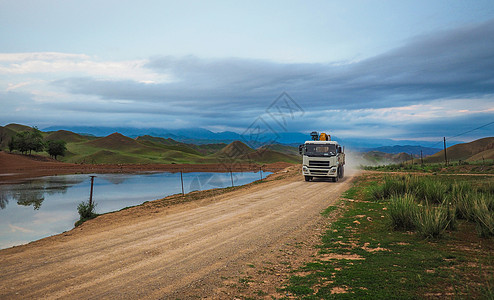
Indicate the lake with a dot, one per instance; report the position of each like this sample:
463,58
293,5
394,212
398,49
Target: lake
44,206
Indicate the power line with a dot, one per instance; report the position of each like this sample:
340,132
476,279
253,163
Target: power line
485,125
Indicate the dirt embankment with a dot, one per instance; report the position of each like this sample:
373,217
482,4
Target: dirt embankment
15,166
209,244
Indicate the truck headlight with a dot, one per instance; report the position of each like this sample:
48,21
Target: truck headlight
333,169
305,169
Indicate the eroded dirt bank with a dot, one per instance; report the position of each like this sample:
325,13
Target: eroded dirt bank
220,246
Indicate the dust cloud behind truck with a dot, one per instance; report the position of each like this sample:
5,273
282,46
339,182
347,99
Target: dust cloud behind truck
322,158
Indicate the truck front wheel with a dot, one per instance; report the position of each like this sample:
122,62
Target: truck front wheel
308,178
341,171
335,179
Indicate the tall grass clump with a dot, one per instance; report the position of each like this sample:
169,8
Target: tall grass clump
433,221
460,198
86,212
429,190
423,187
442,203
483,215
390,187
403,212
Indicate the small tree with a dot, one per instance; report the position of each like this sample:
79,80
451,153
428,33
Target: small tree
12,144
56,148
21,142
35,140
27,141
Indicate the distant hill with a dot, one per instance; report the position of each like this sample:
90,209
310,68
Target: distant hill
66,136
115,141
267,156
236,149
472,151
167,141
487,154
383,158
171,144
290,150
18,127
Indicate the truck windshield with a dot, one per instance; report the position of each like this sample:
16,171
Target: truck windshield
320,150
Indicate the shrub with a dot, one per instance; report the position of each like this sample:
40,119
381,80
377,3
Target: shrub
86,212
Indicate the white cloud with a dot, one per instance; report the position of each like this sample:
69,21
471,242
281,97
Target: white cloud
14,228
53,65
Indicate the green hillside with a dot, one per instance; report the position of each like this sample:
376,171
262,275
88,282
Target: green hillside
67,136
117,148
5,135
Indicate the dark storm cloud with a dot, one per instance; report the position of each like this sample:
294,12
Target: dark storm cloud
455,63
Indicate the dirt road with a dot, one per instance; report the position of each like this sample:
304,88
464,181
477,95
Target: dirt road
199,248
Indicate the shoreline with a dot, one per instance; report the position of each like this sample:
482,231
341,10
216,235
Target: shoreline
15,167
165,201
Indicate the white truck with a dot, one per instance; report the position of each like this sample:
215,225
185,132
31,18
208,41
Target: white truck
322,158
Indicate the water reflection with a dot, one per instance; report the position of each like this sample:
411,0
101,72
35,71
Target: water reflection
32,192
4,199
46,206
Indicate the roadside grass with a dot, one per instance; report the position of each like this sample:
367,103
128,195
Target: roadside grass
476,167
364,254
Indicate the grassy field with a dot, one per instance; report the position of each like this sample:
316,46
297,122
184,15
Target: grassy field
485,166
405,237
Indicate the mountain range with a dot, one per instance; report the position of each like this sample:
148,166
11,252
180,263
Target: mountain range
172,147
200,136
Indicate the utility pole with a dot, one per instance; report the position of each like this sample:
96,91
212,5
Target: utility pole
445,155
182,181
231,176
91,193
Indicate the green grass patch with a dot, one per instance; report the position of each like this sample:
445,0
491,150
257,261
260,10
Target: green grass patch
362,256
328,210
456,167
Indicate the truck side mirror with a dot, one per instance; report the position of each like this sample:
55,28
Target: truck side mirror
300,149
339,149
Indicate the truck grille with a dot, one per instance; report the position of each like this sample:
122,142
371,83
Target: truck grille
318,172
318,163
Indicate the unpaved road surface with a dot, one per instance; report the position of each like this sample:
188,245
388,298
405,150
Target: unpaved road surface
181,251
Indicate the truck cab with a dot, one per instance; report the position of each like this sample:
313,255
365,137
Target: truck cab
322,158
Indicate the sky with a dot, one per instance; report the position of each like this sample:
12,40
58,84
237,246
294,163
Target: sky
405,70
